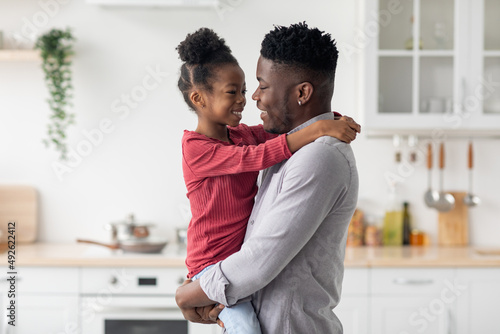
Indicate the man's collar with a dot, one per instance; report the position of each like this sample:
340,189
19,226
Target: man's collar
327,115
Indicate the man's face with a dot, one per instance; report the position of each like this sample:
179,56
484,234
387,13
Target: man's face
273,96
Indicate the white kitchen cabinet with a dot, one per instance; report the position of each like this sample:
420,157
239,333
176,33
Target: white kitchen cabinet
479,302
431,65
405,301
46,301
47,314
155,3
353,314
353,307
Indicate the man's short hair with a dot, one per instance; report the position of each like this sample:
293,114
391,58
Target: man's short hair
302,47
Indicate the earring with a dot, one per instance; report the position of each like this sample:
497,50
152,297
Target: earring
300,102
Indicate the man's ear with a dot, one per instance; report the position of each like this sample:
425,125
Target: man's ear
197,99
304,92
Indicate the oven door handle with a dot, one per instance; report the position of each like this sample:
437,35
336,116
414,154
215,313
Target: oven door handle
109,309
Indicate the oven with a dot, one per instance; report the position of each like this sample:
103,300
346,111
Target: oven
134,301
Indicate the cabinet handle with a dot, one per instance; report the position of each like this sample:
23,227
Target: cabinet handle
4,279
410,281
449,320
464,94
7,327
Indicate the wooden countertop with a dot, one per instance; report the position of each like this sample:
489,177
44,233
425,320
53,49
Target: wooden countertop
81,255
421,256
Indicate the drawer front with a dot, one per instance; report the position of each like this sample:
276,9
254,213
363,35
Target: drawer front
45,280
144,281
411,281
355,281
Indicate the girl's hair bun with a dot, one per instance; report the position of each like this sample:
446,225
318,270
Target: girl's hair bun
202,47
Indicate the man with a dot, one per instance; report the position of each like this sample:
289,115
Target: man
291,263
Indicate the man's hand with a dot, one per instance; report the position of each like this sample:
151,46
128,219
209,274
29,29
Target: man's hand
211,313
203,315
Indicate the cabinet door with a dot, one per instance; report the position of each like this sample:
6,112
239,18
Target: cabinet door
413,300
478,306
46,301
482,100
409,314
412,64
353,307
353,314
46,314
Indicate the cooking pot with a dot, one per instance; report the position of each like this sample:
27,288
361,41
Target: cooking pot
128,229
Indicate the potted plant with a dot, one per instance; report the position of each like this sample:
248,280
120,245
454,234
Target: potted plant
56,48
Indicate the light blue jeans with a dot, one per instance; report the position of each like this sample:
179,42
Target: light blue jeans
237,319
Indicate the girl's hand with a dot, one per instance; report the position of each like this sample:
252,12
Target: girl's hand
344,129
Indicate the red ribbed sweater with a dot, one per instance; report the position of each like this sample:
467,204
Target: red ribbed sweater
221,186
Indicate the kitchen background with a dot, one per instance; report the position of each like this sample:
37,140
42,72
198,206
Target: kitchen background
136,165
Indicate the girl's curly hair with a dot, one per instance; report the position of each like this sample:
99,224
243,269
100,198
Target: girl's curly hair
202,52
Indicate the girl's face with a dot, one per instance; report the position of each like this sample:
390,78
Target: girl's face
225,103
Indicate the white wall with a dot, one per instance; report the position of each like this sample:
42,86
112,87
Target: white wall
136,167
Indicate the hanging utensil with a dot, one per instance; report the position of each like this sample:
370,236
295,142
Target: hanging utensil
396,142
431,196
446,201
412,144
470,199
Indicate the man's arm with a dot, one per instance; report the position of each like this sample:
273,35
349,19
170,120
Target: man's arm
318,176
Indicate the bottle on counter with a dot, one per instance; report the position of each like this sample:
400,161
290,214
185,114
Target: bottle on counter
393,221
406,224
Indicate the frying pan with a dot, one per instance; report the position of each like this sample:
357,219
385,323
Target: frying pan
135,246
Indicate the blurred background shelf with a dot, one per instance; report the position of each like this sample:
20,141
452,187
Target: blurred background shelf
19,55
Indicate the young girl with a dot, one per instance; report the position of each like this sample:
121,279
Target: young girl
222,159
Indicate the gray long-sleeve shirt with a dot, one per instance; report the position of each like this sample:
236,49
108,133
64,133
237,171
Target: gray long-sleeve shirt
292,259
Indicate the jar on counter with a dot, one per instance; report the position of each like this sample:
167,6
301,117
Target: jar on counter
373,230
417,238
355,229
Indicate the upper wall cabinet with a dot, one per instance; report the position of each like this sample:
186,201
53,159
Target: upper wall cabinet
156,3
432,65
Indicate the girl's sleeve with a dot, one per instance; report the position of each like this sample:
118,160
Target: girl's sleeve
260,135
207,159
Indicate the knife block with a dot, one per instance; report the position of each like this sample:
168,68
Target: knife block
453,226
